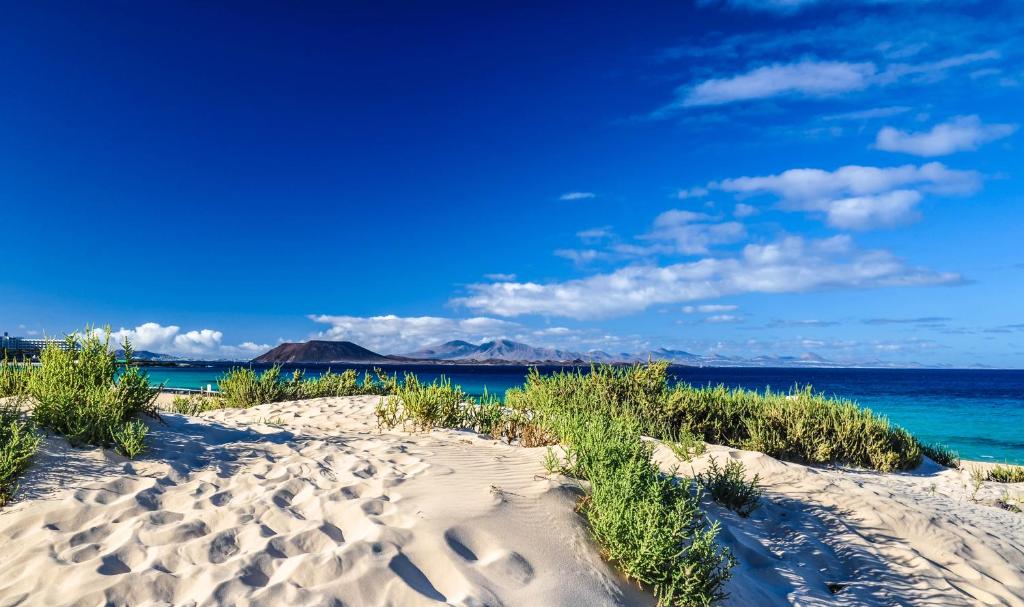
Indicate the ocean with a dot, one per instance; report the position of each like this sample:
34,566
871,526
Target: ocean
980,413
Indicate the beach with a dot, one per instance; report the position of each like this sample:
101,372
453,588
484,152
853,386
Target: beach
305,502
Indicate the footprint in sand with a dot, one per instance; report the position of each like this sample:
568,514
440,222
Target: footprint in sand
484,551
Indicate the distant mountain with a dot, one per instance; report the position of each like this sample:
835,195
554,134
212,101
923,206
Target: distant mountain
450,350
318,351
504,350
146,355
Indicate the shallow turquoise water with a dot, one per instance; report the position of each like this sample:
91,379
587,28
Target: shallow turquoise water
980,413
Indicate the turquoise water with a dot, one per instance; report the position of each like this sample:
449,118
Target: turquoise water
980,413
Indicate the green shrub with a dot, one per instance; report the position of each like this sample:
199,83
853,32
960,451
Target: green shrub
486,416
18,443
426,406
329,383
241,387
130,438
78,393
800,426
1006,474
684,444
14,377
729,487
648,524
942,455
193,404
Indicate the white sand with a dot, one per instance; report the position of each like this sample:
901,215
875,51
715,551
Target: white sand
319,509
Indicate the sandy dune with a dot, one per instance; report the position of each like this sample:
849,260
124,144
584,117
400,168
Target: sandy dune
304,503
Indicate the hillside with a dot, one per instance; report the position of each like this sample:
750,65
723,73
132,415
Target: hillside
318,351
497,350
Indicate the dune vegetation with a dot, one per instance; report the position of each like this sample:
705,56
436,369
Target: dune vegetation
243,387
18,443
79,392
649,524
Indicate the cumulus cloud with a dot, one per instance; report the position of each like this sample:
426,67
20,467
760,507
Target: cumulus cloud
170,339
577,196
391,334
790,264
693,233
963,133
811,78
858,197
865,212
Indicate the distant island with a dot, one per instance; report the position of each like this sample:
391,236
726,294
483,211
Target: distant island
509,352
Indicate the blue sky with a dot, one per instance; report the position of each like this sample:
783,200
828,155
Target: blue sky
737,177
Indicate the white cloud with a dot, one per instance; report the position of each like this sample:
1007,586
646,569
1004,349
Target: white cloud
710,308
791,264
858,197
580,256
812,78
723,318
595,233
865,212
963,133
811,184
154,337
577,196
693,233
499,276
391,334
933,70
816,79
871,114
791,6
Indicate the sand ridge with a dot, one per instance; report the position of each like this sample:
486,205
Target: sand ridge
305,503
316,509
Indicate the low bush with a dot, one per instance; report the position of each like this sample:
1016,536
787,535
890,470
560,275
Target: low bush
14,377
1006,474
18,443
648,524
729,486
942,455
78,392
800,426
422,406
243,387
684,444
129,440
193,404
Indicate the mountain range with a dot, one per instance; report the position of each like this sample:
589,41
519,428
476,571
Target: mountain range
497,350
506,351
